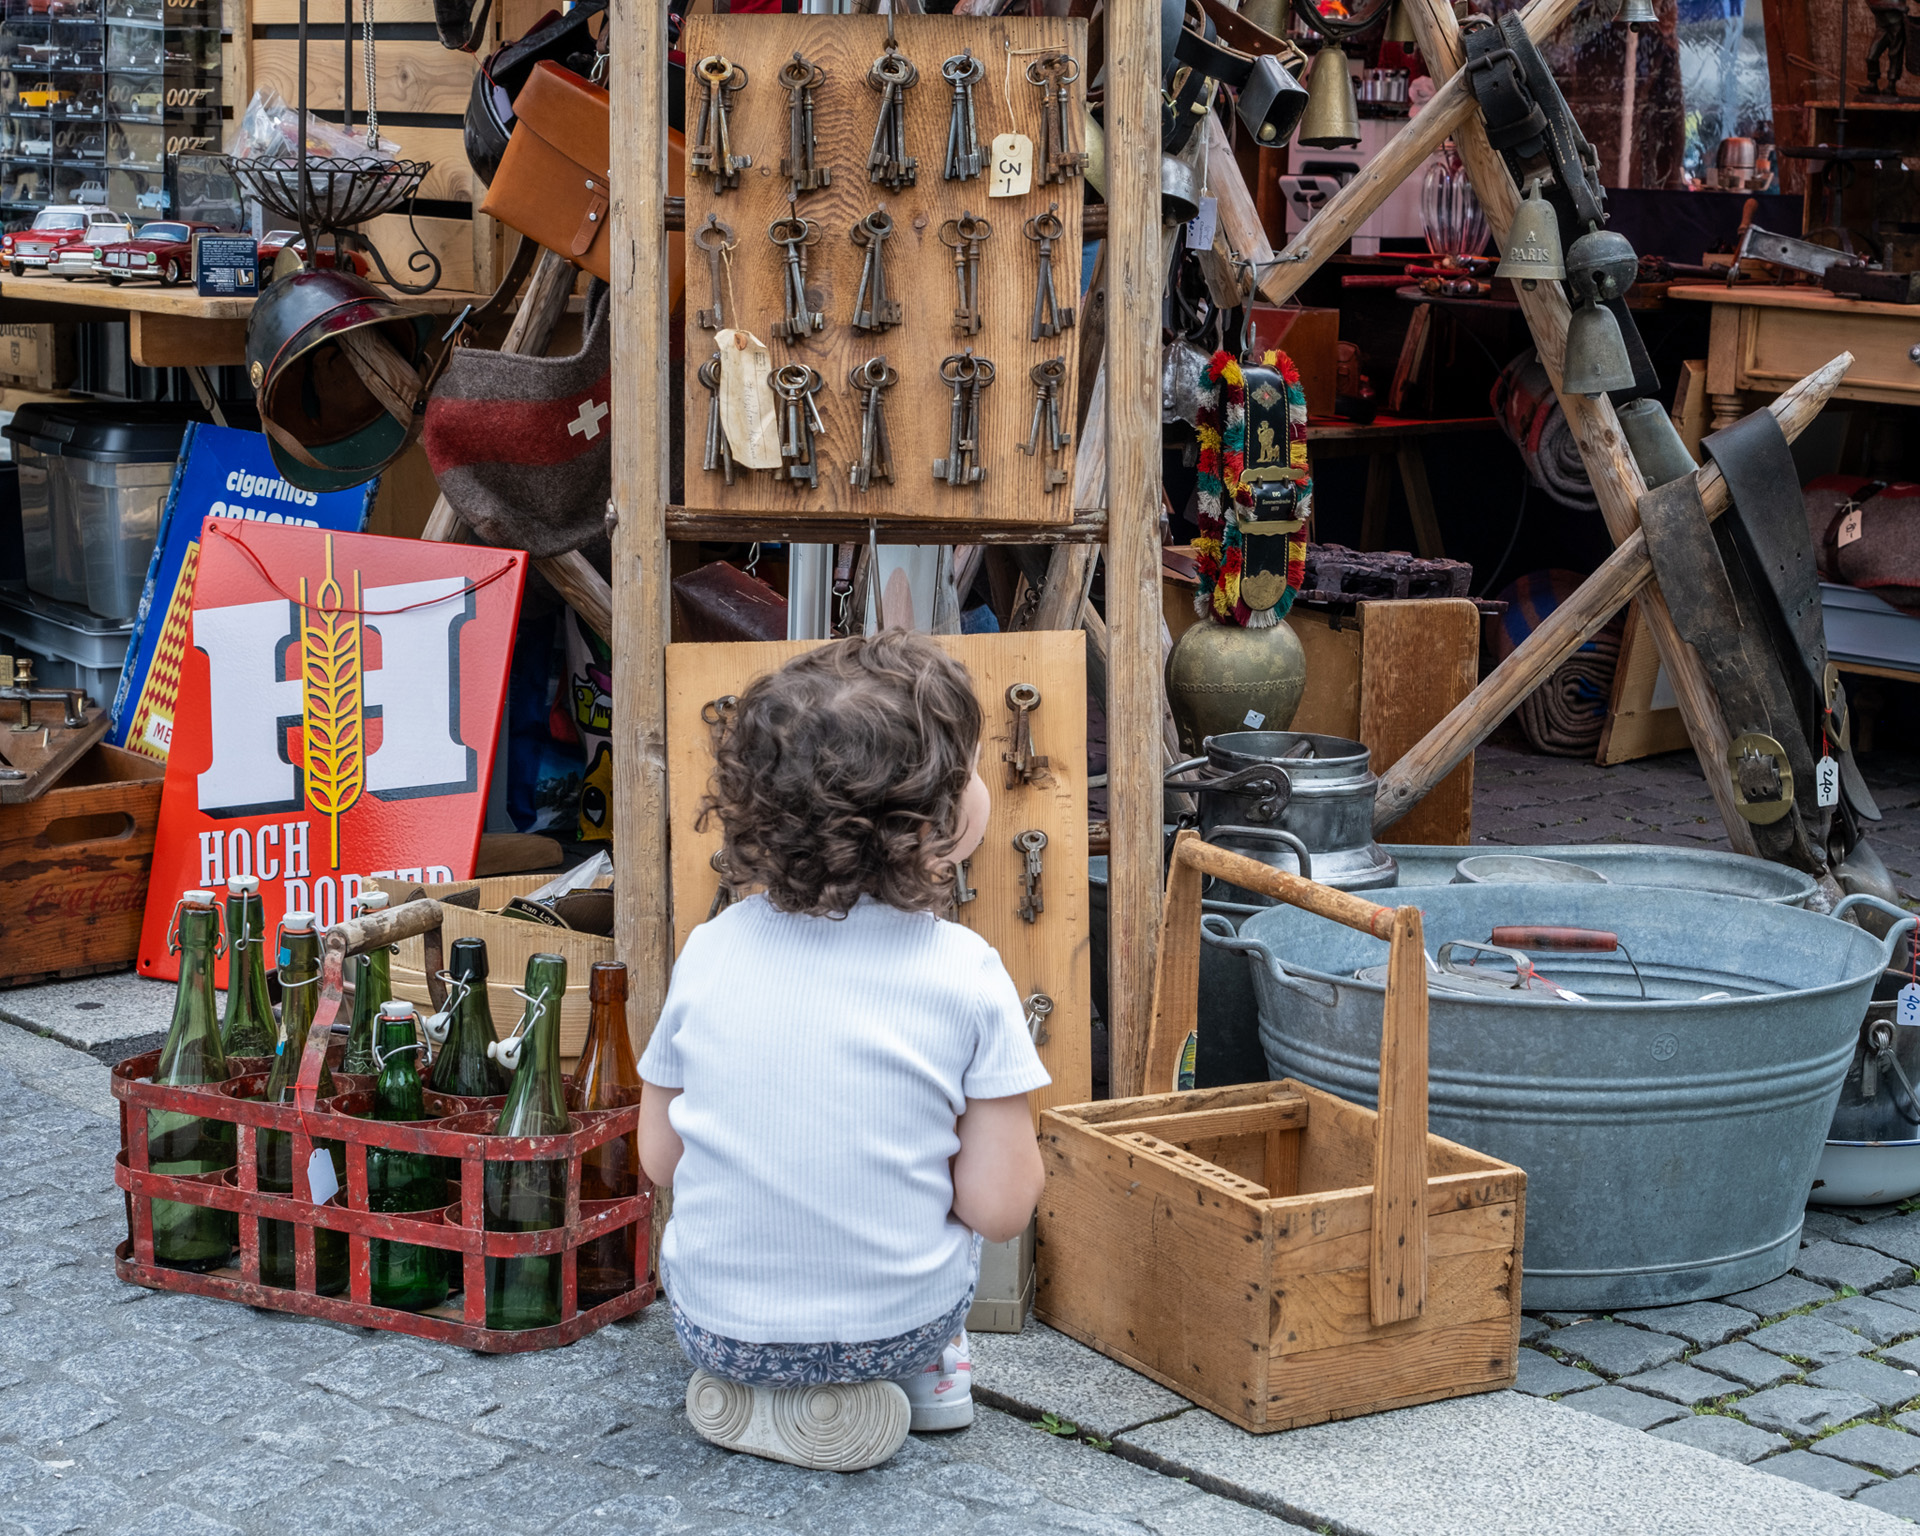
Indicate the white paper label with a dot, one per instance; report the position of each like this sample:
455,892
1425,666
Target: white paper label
1826,782
1849,528
749,414
320,1178
1254,720
1201,226
1012,166
1909,1010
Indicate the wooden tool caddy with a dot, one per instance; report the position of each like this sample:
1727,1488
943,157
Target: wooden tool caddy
459,1228
1270,1251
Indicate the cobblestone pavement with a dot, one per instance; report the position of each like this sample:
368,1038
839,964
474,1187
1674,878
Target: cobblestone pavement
1815,1376
138,1413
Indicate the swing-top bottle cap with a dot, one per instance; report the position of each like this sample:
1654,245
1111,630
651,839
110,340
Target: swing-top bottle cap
371,901
396,1008
468,961
297,922
197,898
242,885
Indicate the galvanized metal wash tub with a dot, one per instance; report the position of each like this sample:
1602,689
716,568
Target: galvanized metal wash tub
1669,1143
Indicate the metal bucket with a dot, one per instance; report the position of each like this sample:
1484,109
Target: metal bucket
1319,788
1686,869
1669,1144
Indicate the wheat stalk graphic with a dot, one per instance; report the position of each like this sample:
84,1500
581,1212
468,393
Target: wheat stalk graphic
331,713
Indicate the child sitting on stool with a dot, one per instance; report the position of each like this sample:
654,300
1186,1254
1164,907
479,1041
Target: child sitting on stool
836,1089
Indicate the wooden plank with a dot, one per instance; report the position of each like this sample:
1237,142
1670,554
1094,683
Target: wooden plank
1106,1111
414,76
1348,1241
1200,1167
1420,658
449,239
1690,408
1327,1309
1394,1371
1051,955
286,13
1634,727
1399,1267
1281,1171
1281,1114
1176,979
36,357
919,271
175,341
1330,706
1784,339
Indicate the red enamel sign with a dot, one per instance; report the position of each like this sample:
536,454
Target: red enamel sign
337,715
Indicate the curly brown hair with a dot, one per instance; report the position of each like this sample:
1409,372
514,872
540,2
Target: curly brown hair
836,776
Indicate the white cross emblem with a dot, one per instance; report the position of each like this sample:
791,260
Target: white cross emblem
587,423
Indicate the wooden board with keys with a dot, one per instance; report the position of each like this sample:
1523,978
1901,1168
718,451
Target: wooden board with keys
931,300
1049,956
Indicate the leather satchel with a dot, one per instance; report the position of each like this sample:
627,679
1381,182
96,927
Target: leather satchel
553,184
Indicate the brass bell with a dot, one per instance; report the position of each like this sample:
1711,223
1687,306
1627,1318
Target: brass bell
1332,118
1400,25
1531,252
1638,14
1600,266
1182,181
1596,358
1654,442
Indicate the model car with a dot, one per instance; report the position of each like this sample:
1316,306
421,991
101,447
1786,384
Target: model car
41,97
81,259
277,240
162,249
34,147
57,228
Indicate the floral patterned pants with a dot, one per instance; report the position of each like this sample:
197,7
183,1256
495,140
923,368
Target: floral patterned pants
807,1365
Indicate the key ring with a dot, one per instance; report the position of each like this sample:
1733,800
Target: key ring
1036,227
792,220
970,72
714,225
507,1051
710,373
958,368
799,74
1052,371
1054,65
718,70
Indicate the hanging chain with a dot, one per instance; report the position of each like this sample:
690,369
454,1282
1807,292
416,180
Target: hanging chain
373,87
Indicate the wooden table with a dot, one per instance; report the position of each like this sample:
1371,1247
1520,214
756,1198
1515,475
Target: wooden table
1766,338
1395,440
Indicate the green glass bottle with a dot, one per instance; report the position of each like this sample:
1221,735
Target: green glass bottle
403,1275
372,986
607,1078
248,1028
464,1064
191,1236
530,1196
299,996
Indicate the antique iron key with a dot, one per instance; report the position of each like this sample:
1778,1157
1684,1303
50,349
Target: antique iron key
966,375
719,454
1039,1008
964,236
1054,74
801,78
724,896
1029,845
964,157
795,234
962,891
872,309
713,140
796,384
1049,317
872,378
892,75
1047,378
714,237
1023,766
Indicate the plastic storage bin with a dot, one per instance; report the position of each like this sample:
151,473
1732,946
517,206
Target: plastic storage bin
90,523
71,647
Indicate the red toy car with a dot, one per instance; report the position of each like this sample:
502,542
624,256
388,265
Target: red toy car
162,249
54,229
277,240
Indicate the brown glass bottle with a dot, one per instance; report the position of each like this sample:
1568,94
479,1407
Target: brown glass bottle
608,1077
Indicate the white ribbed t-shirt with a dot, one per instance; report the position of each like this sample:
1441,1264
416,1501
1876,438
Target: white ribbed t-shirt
824,1062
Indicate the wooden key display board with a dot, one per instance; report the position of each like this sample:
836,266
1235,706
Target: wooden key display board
920,269
1049,955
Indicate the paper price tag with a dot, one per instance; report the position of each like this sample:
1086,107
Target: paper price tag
1012,166
748,411
1826,781
1909,1010
1254,720
1850,528
1201,226
320,1176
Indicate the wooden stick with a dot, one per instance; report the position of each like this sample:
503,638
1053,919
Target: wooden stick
1623,574
1176,980
1362,197
1136,270
1617,481
1397,1275
370,930
1308,895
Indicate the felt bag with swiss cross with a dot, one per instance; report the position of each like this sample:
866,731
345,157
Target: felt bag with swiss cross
521,445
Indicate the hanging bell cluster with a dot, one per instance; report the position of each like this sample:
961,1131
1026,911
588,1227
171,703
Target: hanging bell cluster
1531,252
1600,268
1332,118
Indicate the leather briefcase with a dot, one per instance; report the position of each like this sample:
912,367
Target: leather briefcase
553,181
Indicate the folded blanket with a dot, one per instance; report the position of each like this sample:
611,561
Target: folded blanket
1528,410
1566,715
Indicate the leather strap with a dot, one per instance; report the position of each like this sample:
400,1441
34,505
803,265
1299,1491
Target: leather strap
1513,118
593,219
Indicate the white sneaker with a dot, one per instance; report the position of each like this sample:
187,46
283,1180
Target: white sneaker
941,1396
844,1427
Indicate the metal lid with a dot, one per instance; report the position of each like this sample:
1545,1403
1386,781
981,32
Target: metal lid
197,898
1324,757
242,885
298,922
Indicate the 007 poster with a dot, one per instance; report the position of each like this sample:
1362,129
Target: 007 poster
337,715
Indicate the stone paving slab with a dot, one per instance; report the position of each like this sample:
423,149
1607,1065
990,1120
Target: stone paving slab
1782,1295
1679,1384
109,1017
1701,1323
1873,1445
1884,1385
1869,1315
1743,1363
1822,1472
1636,1410
1719,1435
1041,1371
1498,1464
1615,1349
1844,1264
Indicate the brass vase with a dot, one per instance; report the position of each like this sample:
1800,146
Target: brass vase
1223,678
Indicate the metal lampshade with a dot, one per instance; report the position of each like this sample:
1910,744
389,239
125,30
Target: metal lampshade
1332,118
1531,252
1596,357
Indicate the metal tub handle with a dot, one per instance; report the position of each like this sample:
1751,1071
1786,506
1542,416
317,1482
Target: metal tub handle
1273,835
1217,929
1906,921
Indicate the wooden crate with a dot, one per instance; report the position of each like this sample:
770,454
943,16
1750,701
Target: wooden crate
1051,955
1270,1251
919,271
36,357
77,861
